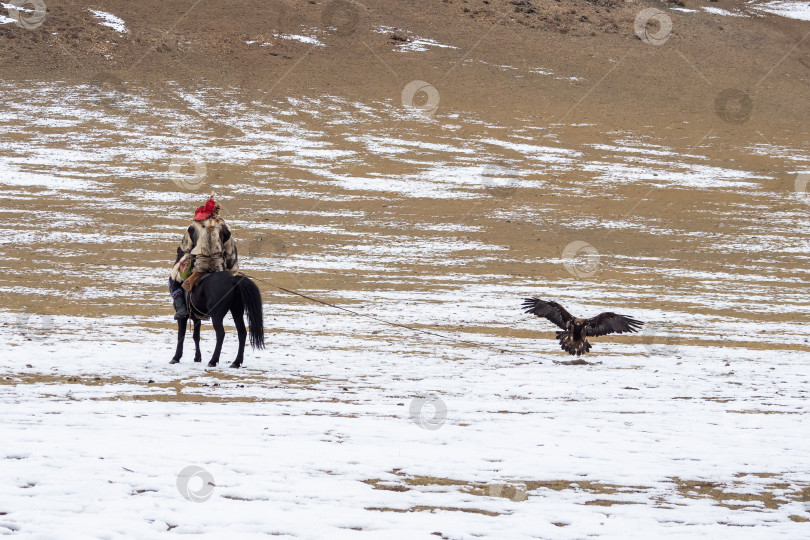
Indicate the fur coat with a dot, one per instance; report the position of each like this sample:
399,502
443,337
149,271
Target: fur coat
210,244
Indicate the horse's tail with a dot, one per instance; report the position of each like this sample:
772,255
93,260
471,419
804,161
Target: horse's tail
252,299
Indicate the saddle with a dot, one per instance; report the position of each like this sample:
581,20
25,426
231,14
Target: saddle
190,281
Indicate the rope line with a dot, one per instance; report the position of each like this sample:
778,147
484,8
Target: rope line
372,317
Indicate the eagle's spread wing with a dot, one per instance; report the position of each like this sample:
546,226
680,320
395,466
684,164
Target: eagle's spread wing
608,323
550,310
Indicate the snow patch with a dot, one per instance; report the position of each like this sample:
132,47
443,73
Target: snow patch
108,19
723,12
415,43
791,10
309,40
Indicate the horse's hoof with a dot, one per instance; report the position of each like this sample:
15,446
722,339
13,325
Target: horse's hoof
236,364
198,359
212,364
175,361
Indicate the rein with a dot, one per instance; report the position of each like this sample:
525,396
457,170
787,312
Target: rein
192,309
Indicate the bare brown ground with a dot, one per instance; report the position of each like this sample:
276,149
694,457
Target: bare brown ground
770,496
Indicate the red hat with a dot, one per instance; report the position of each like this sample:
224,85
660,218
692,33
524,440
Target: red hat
204,211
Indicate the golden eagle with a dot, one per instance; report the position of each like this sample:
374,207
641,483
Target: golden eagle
575,330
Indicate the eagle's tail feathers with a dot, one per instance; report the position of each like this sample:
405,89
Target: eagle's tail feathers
571,346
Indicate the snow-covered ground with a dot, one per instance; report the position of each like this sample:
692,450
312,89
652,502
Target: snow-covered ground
320,436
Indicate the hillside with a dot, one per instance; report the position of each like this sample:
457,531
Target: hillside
505,58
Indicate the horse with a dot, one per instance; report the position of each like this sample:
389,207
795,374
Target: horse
214,296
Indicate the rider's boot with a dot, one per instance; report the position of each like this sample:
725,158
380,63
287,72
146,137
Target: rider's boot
180,308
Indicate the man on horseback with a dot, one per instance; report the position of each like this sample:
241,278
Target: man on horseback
207,246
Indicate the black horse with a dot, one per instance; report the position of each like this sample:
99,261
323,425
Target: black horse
214,296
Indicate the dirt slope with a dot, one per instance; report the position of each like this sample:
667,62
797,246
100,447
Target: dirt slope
572,60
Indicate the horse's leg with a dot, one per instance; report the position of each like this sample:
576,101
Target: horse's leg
239,321
181,335
216,321
197,354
